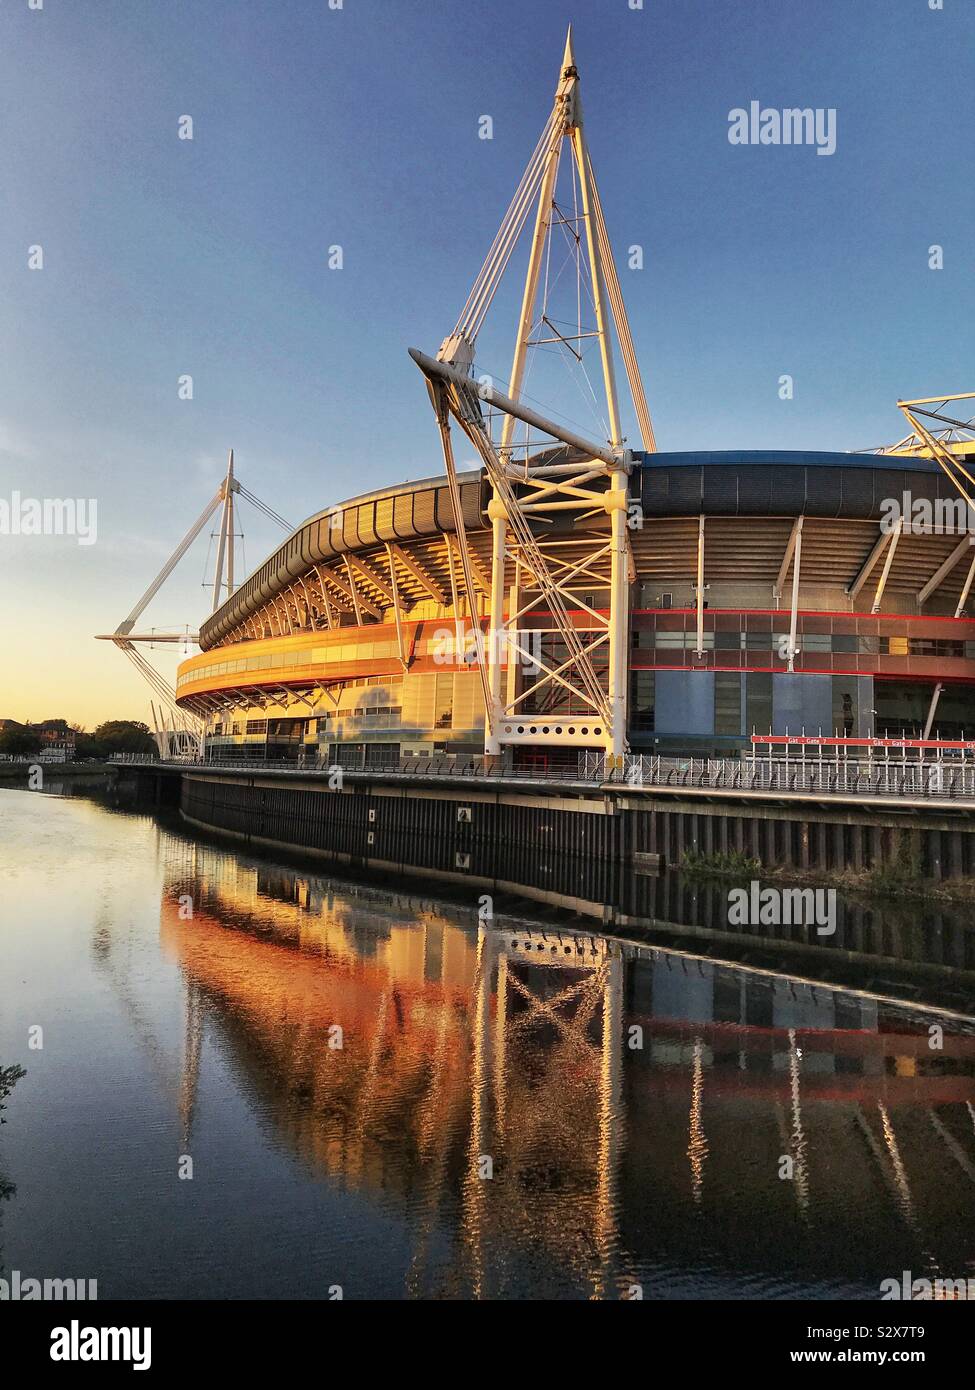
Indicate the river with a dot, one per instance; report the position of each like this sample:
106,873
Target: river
245,1079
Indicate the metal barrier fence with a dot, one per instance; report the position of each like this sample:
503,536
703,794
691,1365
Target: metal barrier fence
935,780
446,765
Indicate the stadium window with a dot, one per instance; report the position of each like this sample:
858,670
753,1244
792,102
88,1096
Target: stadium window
444,702
936,646
844,705
642,687
758,701
727,702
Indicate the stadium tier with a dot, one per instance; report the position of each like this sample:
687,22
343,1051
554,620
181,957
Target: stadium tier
769,592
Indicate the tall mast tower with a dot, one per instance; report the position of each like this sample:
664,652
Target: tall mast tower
582,478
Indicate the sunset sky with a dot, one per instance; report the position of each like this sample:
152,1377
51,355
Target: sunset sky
315,127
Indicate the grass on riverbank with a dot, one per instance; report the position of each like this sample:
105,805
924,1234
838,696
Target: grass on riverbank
901,876
733,864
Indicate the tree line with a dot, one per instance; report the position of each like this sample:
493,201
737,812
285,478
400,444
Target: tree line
114,736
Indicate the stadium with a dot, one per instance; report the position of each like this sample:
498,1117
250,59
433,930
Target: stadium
576,595
344,645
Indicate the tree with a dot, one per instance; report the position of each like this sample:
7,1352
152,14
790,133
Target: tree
17,743
9,1076
124,736
87,746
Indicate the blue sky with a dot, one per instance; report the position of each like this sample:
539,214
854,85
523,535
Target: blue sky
359,127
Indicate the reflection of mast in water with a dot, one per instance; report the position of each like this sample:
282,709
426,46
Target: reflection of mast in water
897,1167
895,1176
476,1175
697,1144
801,1175
549,990
795,1140
192,1049
953,1146
612,1133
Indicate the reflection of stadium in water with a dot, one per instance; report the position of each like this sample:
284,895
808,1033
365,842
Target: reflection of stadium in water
916,949
638,1106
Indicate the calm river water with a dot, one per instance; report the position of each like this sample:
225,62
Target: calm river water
257,1081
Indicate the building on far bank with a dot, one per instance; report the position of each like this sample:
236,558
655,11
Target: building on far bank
56,736
57,741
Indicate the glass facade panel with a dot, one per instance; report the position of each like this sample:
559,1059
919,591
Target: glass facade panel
758,701
444,702
845,706
642,701
727,702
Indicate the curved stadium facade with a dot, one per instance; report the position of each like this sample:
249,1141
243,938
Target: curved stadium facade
353,643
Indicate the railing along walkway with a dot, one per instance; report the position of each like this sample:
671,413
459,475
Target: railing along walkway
940,780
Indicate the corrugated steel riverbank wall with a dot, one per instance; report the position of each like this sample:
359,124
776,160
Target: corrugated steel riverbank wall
590,845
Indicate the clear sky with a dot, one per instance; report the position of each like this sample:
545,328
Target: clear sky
358,127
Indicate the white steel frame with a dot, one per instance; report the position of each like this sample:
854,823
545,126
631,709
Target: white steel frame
177,731
939,445
588,479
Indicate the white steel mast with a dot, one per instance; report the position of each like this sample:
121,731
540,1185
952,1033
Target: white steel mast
178,728
586,478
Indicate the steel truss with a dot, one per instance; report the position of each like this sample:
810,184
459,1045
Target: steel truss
942,444
930,438
177,731
577,482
